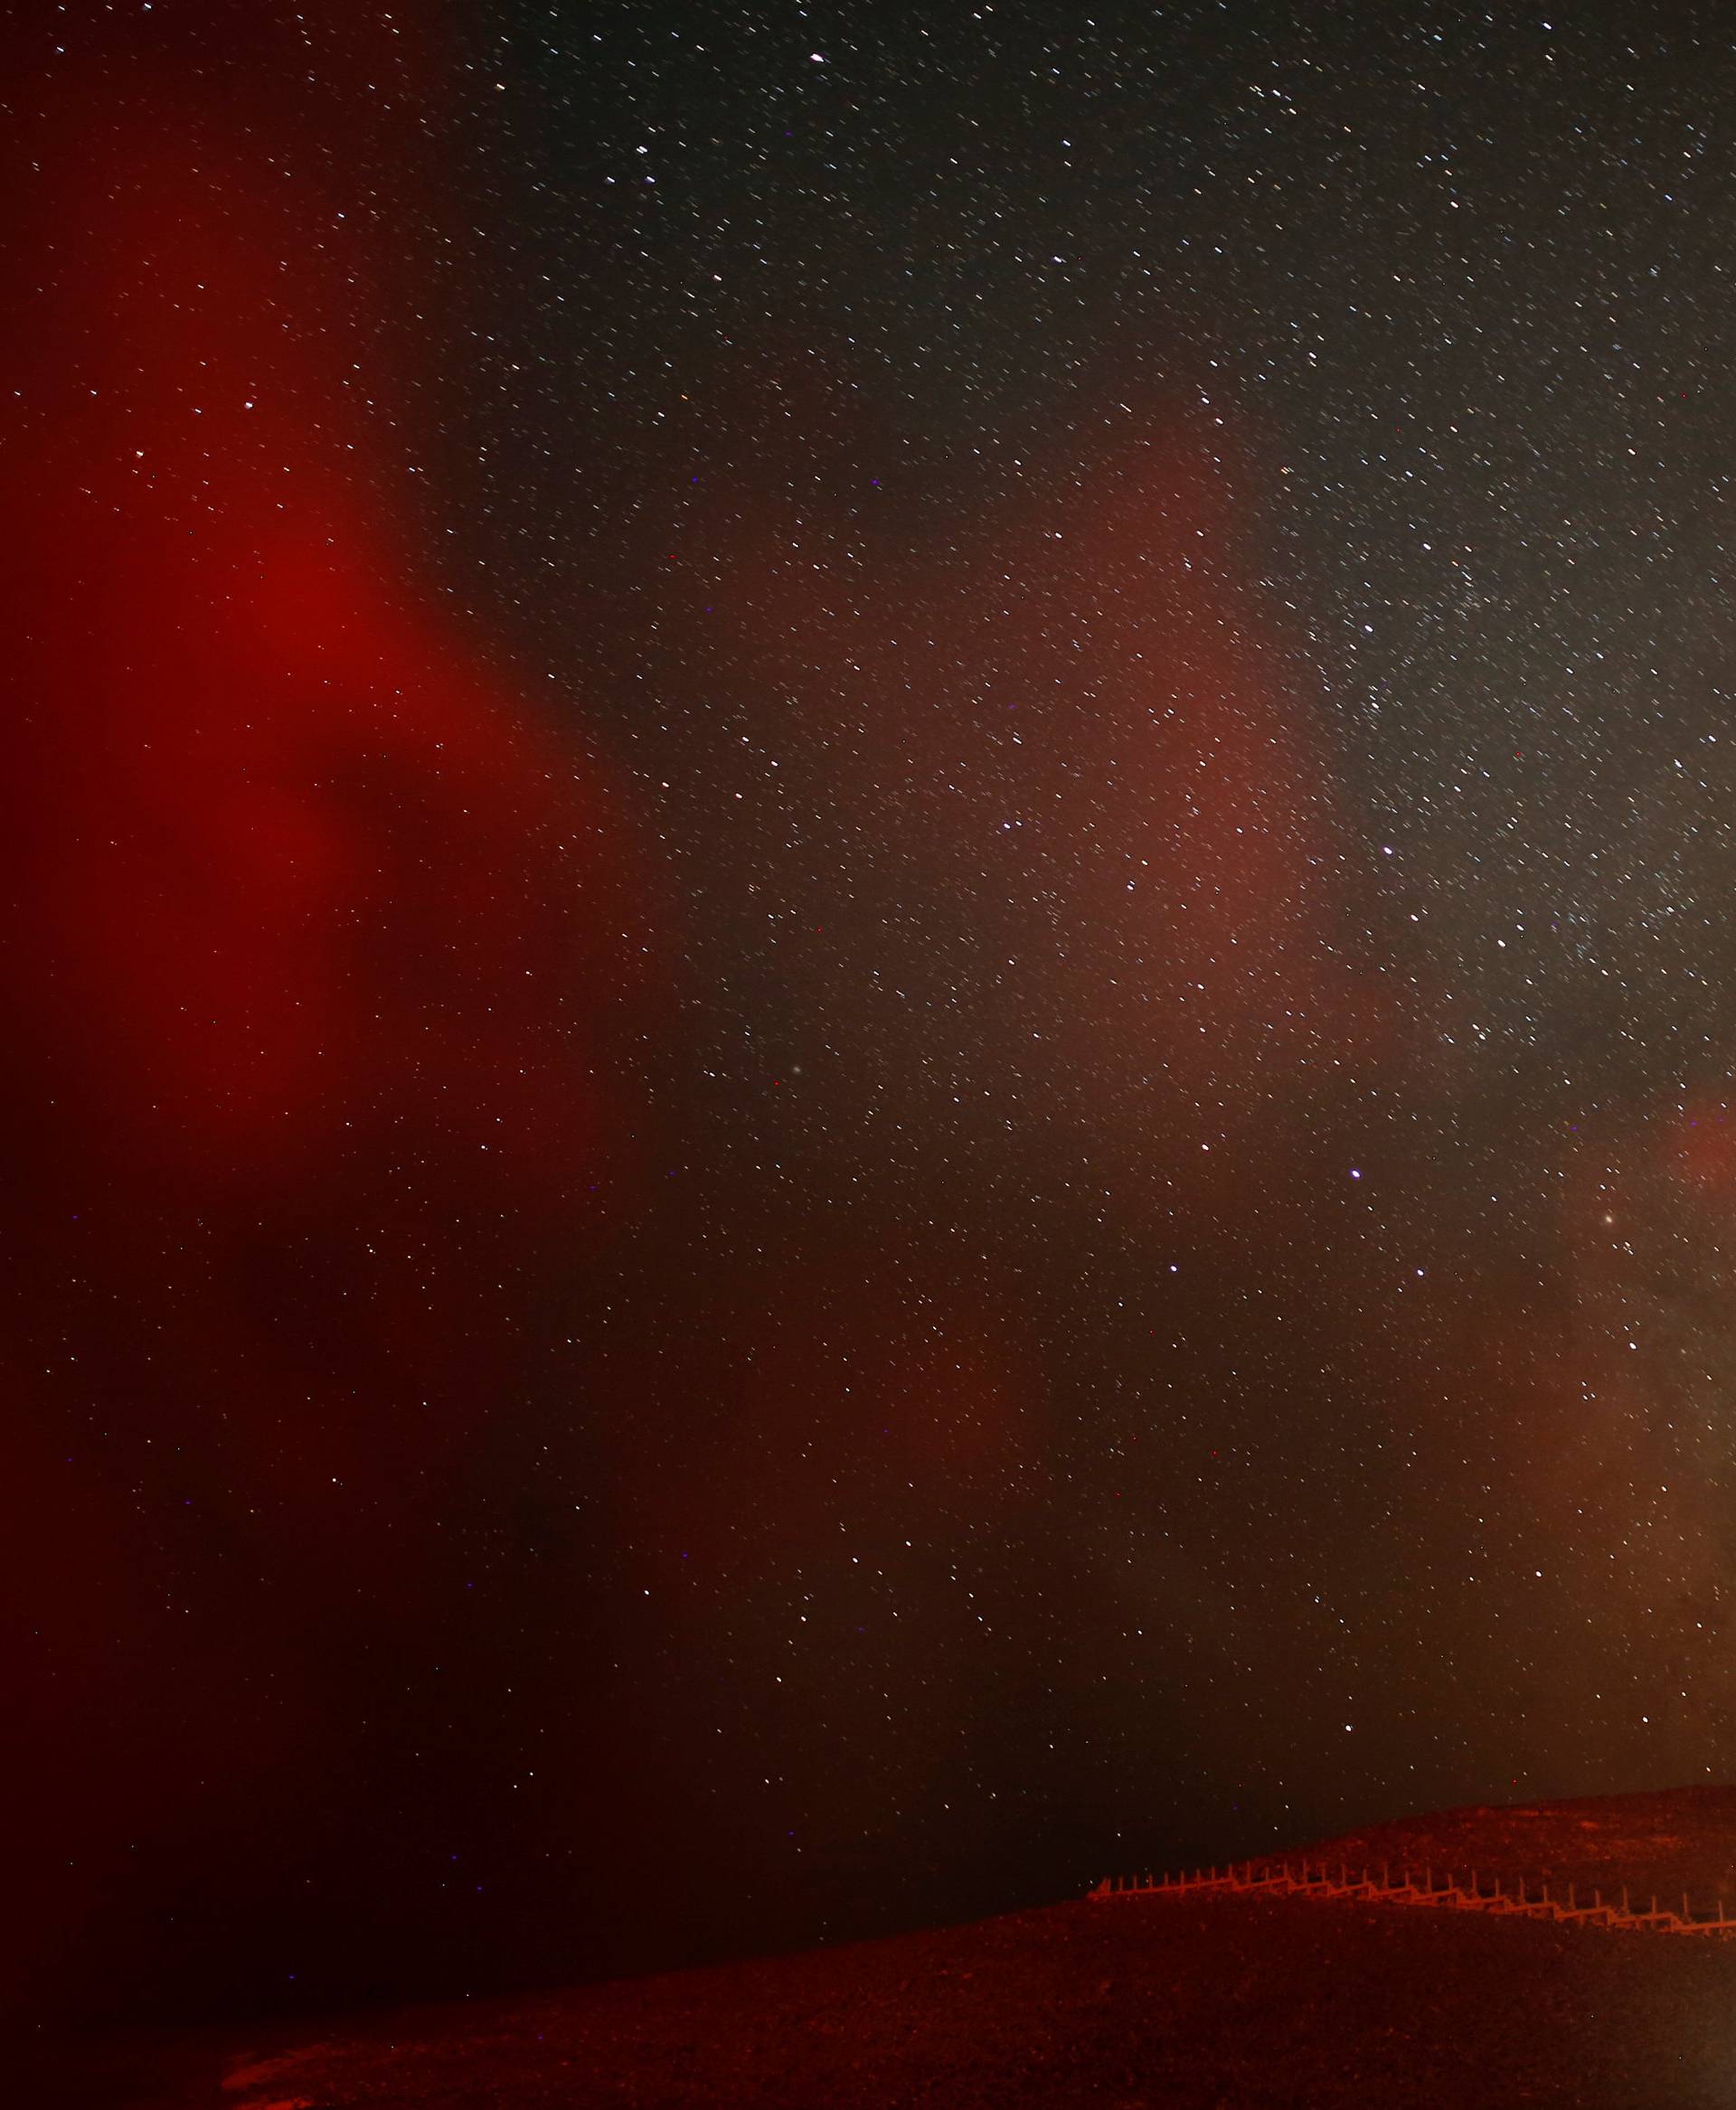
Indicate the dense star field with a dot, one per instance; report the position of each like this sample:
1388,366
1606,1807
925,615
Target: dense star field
871,1035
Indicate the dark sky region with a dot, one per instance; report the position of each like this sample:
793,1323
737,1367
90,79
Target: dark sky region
868,949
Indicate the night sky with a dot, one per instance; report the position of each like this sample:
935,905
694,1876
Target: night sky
868,955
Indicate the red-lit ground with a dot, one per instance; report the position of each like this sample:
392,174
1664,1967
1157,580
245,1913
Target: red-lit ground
1176,2002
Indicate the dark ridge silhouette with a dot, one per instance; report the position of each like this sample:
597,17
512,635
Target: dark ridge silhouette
1237,1994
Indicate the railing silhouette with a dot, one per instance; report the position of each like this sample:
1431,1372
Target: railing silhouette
1470,1894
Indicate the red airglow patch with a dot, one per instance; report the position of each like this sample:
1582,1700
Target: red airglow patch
323,958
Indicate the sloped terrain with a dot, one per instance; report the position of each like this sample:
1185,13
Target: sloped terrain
1179,2001
1662,1844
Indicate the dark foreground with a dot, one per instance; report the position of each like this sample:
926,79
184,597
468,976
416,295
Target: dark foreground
1171,2001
